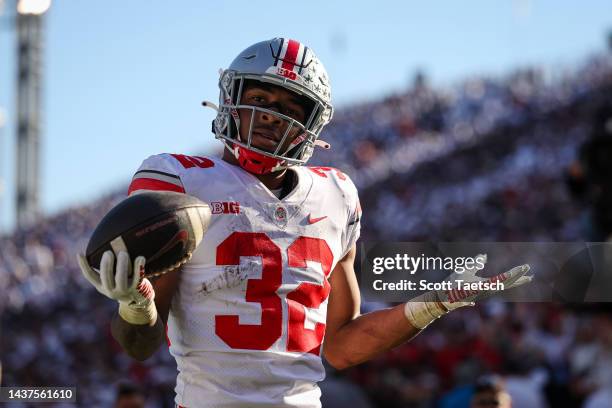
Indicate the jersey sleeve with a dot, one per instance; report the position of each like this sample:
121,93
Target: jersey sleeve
353,227
160,172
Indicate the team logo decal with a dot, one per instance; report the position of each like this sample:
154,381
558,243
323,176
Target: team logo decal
290,59
280,214
286,73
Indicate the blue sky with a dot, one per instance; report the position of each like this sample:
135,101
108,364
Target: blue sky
124,79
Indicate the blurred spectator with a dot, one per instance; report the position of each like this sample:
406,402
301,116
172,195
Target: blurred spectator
479,161
600,399
490,393
339,393
129,396
590,176
524,382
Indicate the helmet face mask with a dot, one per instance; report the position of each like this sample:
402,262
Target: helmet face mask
293,67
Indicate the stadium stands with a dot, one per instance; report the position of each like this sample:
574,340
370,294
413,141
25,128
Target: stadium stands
480,161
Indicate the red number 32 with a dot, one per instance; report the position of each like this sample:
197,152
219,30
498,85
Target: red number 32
263,291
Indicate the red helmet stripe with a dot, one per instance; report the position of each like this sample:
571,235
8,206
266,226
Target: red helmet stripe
293,48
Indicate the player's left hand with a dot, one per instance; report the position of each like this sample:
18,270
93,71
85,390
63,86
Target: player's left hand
455,298
429,306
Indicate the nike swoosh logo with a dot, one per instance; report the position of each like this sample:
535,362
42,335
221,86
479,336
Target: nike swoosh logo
180,237
313,220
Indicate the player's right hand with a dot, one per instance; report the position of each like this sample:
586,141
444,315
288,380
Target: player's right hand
133,291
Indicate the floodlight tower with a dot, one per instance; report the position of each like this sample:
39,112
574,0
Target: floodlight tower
29,26
2,154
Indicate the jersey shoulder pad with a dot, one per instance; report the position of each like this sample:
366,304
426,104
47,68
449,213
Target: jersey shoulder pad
164,172
335,178
191,162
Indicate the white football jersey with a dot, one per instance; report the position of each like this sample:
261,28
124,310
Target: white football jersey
248,320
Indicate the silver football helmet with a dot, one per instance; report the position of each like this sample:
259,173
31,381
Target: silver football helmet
291,65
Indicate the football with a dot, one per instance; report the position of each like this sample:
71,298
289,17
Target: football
165,227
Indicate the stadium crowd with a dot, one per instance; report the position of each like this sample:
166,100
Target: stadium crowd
481,161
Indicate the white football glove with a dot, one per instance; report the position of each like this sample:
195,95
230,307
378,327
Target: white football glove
133,291
429,306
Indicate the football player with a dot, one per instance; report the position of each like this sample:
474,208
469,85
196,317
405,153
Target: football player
271,288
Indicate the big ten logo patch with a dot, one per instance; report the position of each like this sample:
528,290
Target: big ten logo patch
225,207
287,73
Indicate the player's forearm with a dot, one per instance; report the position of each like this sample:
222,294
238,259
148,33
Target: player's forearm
367,336
139,341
